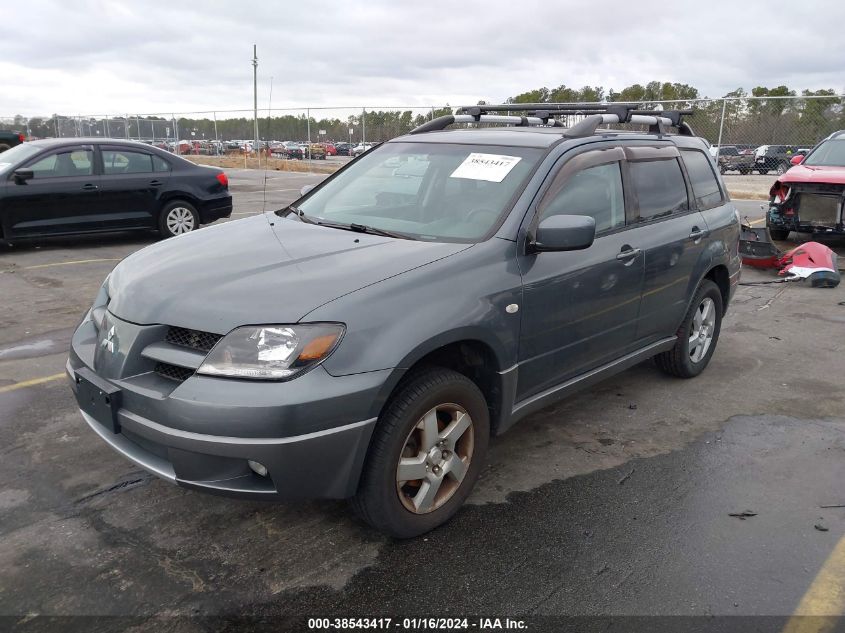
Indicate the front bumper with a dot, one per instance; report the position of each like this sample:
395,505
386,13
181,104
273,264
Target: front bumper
311,433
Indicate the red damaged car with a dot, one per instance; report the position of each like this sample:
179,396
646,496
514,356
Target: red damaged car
809,198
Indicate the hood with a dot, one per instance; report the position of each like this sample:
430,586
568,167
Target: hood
814,174
262,269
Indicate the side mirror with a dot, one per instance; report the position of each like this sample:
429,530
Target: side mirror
22,175
564,233
306,189
797,159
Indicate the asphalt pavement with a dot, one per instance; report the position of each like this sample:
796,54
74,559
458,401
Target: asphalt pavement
642,496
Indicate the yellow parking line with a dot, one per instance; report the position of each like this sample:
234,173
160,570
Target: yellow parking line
78,261
825,599
31,383
760,221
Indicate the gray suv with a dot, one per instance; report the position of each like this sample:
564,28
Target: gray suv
368,341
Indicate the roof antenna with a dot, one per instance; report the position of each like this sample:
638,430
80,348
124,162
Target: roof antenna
266,158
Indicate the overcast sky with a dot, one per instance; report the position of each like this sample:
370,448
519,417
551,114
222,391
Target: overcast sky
150,56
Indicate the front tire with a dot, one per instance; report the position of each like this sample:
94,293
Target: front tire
426,453
697,335
178,218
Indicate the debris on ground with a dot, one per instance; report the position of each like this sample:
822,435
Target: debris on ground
810,261
626,477
835,505
745,514
757,248
820,527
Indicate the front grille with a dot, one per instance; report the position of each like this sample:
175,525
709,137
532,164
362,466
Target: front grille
193,339
173,372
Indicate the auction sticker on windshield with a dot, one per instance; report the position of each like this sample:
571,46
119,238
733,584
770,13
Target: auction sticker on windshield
490,167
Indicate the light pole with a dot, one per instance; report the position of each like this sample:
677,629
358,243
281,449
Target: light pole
255,91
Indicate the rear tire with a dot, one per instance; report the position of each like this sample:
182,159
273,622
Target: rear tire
4,147
434,430
177,218
697,335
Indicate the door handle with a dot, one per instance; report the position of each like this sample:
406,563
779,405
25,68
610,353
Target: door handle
89,187
156,183
696,233
628,254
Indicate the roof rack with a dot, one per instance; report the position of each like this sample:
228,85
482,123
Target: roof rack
542,114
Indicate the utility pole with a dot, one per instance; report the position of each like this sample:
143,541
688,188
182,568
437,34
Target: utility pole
255,93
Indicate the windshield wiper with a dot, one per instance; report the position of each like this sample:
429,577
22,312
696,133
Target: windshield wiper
291,209
372,230
358,228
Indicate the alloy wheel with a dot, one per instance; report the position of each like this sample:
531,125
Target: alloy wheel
435,458
180,220
702,329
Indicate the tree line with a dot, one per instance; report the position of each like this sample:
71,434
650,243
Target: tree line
763,115
777,115
372,125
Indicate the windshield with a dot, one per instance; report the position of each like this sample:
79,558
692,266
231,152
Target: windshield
15,156
437,192
830,153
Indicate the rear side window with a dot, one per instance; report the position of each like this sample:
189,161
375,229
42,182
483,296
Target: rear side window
126,162
596,192
705,187
660,187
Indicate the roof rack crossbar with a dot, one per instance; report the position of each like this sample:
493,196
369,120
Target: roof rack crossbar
441,123
623,111
595,114
589,125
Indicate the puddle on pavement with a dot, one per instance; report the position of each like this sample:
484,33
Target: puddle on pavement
41,345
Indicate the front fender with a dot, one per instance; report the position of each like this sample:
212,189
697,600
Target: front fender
394,323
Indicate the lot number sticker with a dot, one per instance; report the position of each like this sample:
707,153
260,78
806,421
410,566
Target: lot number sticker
490,167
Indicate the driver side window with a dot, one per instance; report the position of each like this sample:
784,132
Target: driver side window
595,192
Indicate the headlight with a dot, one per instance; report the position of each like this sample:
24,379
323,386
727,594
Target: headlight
272,352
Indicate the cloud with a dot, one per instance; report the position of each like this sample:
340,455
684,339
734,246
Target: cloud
97,56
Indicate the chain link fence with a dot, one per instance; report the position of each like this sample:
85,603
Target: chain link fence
234,131
745,124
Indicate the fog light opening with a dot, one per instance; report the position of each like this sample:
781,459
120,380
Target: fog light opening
257,467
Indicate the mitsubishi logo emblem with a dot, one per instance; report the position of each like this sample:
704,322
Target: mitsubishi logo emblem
109,341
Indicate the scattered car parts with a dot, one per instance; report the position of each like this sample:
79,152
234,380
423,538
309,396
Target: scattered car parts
811,260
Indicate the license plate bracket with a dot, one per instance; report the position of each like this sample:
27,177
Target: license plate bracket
98,398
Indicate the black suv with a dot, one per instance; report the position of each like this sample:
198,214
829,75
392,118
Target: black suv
9,139
775,158
367,341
